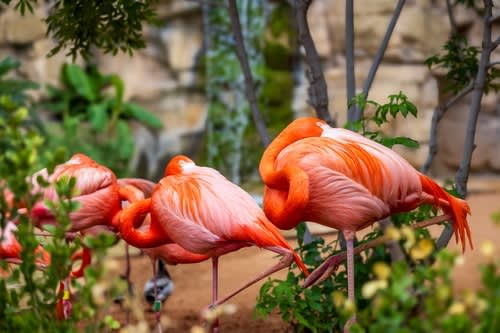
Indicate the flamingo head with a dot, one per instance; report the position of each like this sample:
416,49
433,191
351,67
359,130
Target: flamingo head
178,164
304,127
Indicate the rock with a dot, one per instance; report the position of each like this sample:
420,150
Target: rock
318,25
174,8
182,42
363,8
42,69
144,78
18,29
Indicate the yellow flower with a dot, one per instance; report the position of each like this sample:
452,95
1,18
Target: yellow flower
371,287
382,270
487,248
460,260
456,308
409,235
470,298
338,299
481,306
349,306
422,249
443,293
228,309
393,233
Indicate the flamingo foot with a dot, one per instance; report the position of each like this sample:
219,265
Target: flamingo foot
349,323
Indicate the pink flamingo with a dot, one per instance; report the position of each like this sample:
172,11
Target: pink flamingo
203,212
340,179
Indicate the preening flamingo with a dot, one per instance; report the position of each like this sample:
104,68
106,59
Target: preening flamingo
340,179
99,192
199,209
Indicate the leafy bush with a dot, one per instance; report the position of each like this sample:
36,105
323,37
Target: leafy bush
90,116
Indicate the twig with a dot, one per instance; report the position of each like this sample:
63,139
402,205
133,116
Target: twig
437,115
494,44
349,58
379,55
249,83
332,262
494,18
494,63
318,93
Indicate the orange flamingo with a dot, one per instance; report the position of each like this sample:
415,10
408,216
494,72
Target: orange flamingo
203,212
340,179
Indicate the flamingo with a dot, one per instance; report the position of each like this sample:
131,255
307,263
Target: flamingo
171,253
340,179
203,212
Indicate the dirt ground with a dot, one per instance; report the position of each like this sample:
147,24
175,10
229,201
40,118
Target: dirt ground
193,282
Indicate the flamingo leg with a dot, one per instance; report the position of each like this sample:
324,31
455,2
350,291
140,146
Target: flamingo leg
350,276
157,303
215,290
285,262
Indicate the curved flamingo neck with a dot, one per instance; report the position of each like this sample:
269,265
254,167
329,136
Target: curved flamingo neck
299,129
131,219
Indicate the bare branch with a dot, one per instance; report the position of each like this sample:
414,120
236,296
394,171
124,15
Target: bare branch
349,57
494,63
380,55
439,112
494,44
318,93
462,174
463,171
331,263
249,84
494,18
451,17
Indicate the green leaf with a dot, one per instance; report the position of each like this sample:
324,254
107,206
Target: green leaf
142,115
125,140
98,116
8,64
80,81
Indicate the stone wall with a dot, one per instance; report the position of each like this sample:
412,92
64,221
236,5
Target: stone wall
164,77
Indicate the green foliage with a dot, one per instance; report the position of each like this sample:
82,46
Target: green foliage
421,299
398,104
460,61
28,295
111,25
91,116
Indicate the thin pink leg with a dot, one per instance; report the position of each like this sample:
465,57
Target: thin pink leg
215,289
157,303
349,236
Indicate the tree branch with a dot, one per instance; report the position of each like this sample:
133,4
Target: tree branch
318,93
451,17
494,44
494,18
249,83
438,113
464,169
331,263
380,55
349,58
462,174
494,63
